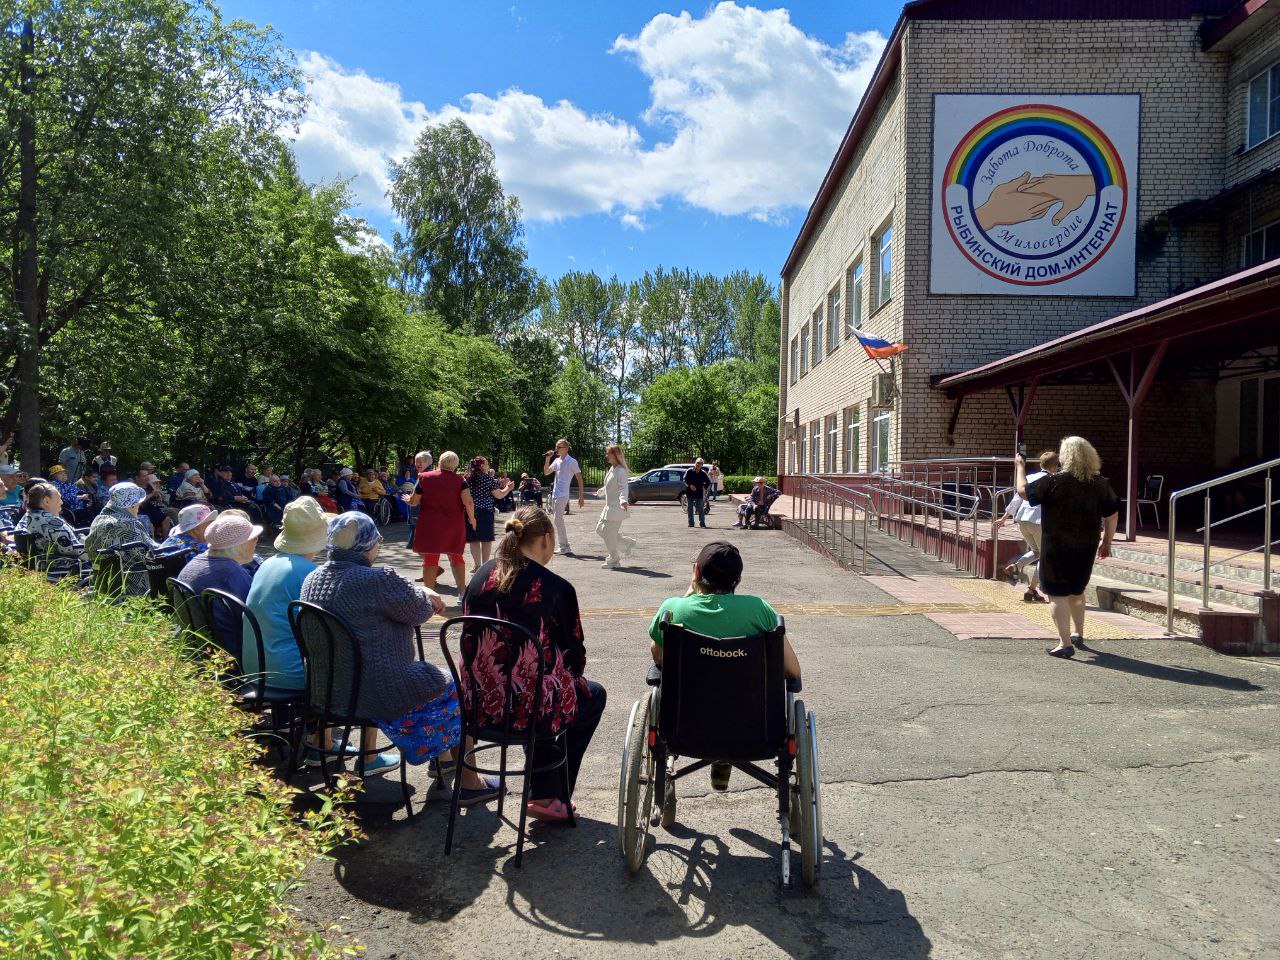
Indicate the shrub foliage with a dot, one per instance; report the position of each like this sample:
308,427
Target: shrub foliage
133,822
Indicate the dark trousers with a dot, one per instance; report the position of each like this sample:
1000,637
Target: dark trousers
578,738
695,501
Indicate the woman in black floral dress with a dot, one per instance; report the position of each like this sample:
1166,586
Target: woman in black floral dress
516,586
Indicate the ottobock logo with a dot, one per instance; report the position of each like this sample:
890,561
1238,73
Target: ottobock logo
1034,194
713,652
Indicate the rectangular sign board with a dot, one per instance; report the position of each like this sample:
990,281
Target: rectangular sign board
1034,194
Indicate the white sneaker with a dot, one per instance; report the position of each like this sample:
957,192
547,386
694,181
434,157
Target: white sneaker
610,565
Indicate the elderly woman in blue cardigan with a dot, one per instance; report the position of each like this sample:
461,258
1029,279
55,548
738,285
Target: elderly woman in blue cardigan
413,702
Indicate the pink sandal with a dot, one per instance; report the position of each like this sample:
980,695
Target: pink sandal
553,812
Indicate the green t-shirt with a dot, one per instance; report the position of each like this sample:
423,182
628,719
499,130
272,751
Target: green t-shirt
718,615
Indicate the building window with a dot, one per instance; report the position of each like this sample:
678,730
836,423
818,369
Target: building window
804,350
853,314
815,446
852,439
833,318
1264,106
833,439
795,358
884,276
880,434
818,342
1262,245
800,451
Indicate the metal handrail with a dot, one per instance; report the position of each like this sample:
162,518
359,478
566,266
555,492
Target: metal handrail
931,500
822,506
1207,529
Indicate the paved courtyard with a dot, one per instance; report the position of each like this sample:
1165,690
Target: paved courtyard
980,798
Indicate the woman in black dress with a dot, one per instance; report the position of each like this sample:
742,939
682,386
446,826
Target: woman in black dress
1079,511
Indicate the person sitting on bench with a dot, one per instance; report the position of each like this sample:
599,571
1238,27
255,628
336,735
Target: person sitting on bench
712,609
756,507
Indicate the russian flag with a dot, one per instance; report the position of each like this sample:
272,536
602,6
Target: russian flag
878,349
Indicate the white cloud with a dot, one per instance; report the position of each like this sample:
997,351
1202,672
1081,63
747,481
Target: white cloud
747,110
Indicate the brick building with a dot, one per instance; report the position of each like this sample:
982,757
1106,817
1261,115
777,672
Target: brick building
1058,200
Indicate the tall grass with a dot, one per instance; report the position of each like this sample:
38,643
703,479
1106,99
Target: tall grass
133,823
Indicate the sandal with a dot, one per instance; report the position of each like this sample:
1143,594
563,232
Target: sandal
554,811
1031,597
1062,653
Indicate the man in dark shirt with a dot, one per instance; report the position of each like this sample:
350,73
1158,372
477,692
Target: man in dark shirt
696,482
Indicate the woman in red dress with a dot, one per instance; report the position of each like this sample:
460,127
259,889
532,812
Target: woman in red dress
444,510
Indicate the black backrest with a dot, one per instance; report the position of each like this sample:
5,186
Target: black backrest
190,614
229,606
26,549
162,566
500,696
330,658
723,699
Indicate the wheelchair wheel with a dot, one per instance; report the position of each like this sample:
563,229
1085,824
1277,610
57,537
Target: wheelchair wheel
635,789
382,512
810,806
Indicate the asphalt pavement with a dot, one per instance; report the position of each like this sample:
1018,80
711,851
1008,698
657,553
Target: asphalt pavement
980,798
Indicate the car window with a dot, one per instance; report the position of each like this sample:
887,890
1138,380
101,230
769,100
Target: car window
651,476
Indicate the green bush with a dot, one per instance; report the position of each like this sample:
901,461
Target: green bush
133,822
737,483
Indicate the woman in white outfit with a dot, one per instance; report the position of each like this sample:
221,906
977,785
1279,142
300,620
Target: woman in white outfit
615,508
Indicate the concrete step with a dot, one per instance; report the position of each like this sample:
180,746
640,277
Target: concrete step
1190,563
1242,594
1222,626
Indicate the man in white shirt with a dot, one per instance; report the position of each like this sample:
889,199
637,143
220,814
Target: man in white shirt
73,458
565,468
1027,518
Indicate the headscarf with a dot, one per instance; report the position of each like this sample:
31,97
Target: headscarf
190,473
352,535
125,495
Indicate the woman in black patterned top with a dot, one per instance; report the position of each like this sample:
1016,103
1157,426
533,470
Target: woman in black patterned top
484,490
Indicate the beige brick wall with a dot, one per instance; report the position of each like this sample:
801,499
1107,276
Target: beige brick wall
1256,54
1191,116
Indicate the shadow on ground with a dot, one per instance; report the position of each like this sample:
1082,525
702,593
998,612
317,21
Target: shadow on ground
574,886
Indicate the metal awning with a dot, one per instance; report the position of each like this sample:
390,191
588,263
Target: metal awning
1235,299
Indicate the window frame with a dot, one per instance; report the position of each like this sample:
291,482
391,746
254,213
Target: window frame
855,283
1272,74
880,457
1245,262
852,439
804,351
835,319
883,291
819,337
833,444
815,445
795,359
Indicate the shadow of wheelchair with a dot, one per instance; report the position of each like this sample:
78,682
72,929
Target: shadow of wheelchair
695,886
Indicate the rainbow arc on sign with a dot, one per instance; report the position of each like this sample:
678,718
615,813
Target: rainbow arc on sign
1030,120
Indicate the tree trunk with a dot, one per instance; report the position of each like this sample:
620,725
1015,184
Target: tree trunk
28,366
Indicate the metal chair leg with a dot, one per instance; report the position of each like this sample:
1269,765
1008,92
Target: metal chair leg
502,779
564,778
404,787
524,806
464,757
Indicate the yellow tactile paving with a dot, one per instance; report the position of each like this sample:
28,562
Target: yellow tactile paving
1098,626
820,610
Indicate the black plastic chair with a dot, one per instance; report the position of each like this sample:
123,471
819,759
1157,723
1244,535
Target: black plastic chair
333,666
111,570
510,732
189,612
256,695
160,568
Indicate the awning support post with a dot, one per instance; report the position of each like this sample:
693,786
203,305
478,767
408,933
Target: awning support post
1021,406
1135,388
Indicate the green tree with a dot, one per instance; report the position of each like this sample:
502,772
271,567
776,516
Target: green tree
461,254
578,312
581,407
108,110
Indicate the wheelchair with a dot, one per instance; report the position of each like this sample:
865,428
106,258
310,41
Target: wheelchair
721,701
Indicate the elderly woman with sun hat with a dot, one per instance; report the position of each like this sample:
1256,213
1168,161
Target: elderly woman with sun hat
119,524
231,538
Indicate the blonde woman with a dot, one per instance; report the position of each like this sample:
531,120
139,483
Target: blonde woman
1079,511
445,510
615,508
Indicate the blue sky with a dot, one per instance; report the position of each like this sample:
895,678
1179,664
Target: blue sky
635,134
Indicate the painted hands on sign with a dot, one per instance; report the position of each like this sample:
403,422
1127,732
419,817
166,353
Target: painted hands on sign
1030,198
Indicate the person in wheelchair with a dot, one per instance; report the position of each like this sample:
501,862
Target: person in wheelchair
117,529
753,510
712,609
52,538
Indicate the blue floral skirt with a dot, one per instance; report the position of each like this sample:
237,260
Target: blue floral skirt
428,730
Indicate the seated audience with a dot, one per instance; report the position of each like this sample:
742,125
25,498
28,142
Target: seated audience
412,702
370,489
275,497
278,583
712,609
530,489
192,490
9,486
399,509
153,506
51,536
517,586
91,494
231,539
757,504
345,491
176,478
74,503
118,524
189,532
